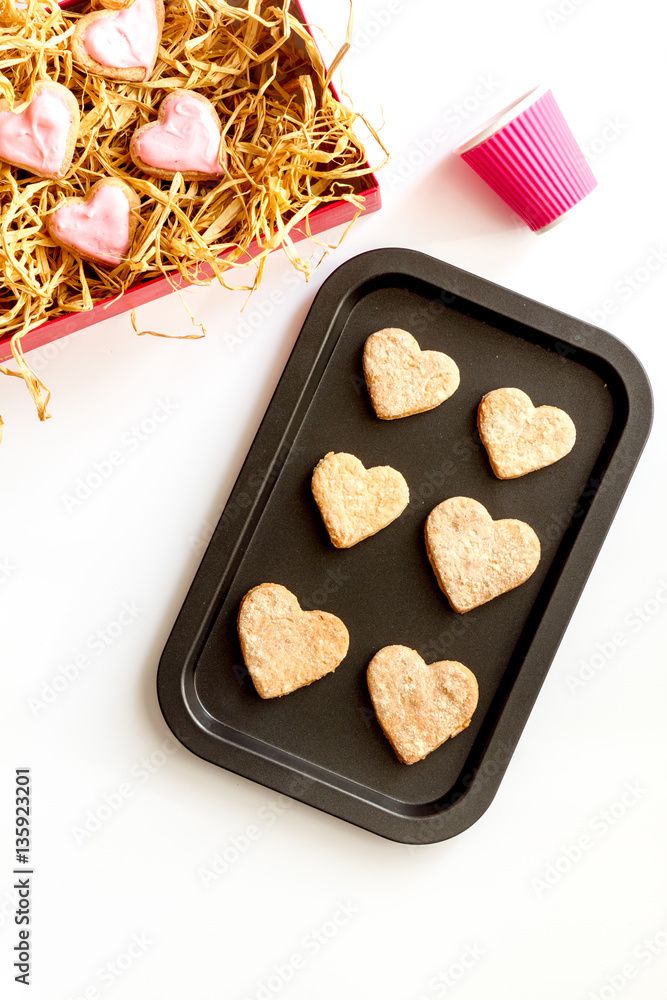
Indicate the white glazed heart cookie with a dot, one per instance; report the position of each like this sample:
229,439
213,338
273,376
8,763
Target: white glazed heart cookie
419,705
284,647
402,379
185,138
99,227
41,137
120,44
356,502
520,438
475,558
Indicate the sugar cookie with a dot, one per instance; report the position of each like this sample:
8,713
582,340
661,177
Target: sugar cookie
185,138
41,138
419,705
285,648
120,44
99,227
475,558
519,437
402,379
356,502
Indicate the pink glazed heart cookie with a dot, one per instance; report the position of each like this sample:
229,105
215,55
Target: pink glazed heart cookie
41,138
120,44
185,138
99,227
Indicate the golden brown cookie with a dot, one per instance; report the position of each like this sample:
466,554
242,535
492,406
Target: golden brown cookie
475,558
41,137
120,44
519,437
356,502
420,705
402,379
285,648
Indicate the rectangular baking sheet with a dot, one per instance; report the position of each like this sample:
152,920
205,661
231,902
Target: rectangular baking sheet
322,744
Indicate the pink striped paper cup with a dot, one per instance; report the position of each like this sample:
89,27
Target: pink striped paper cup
529,156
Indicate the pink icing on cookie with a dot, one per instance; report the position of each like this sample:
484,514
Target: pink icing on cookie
126,40
187,139
99,227
37,137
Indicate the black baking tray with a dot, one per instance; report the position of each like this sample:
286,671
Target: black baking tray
322,744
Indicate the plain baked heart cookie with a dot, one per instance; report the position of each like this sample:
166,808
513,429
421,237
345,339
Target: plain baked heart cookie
402,379
99,227
120,44
355,502
185,138
520,438
475,558
41,137
420,705
285,648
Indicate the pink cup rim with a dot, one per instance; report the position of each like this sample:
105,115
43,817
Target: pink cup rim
501,119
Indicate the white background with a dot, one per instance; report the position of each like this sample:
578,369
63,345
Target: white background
406,916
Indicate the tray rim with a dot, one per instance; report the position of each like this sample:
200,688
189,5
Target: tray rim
218,743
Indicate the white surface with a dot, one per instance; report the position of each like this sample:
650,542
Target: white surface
472,907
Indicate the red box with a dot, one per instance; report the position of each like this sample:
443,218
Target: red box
330,215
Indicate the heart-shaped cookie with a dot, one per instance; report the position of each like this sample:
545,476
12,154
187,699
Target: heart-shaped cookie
519,437
474,557
185,138
120,44
285,648
419,705
99,227
402,379
41,137
356,502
